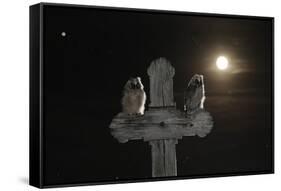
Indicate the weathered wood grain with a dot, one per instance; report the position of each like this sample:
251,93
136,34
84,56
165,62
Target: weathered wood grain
170,157
157,157
161,124
163,154
161,74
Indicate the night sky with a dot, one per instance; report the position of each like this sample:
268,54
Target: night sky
89,54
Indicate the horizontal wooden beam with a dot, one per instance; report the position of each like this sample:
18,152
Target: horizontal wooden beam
158,124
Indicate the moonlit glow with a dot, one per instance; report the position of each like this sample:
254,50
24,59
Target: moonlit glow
222,63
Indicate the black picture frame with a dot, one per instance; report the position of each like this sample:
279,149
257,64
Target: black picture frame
37,94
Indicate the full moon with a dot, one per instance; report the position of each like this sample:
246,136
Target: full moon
222,63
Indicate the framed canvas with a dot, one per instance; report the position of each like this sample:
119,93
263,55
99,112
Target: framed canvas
123,95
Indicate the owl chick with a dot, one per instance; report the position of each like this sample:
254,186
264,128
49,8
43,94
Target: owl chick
194,96
134,97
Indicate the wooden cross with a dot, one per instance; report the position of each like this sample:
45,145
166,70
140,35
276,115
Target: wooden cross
162,124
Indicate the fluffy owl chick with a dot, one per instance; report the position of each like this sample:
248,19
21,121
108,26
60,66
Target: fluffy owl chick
194,96
134,97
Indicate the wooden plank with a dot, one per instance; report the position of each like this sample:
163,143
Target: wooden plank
161,74
164,160
156,124
157,154
170,158
169,115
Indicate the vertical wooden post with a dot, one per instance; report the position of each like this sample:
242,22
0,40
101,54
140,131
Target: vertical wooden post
163,152
170,157
161,74
164,160
157,153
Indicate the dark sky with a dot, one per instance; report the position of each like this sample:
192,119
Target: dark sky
85,71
